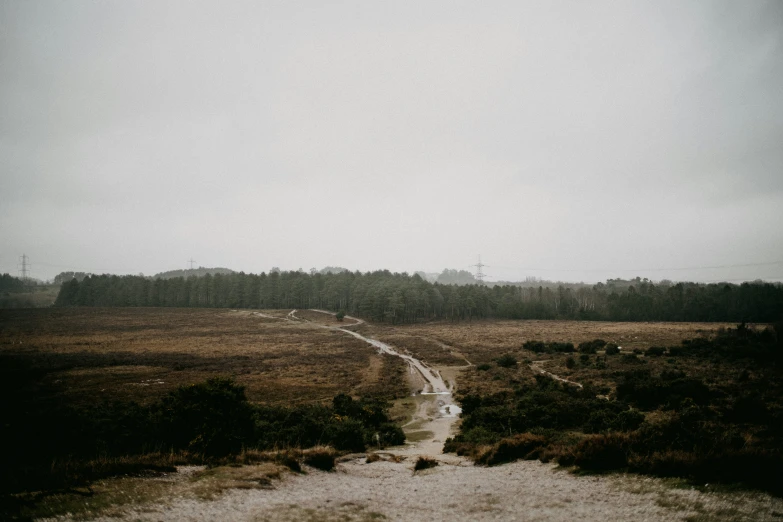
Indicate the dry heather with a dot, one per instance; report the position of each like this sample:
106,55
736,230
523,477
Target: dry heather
143,353
483,342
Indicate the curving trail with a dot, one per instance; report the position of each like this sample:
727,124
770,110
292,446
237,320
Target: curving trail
536,367
436,412
435,385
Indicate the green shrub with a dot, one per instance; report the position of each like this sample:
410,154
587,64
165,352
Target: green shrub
506,361
591,346
570,363
340,315
560,347
484,367
535,346
212,418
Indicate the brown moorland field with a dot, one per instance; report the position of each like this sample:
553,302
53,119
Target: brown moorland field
143,353
482,342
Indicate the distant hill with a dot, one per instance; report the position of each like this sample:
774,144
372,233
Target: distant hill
428,276
333,270
199,272
456,277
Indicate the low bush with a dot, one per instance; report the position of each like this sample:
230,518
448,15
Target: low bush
655,351
535,346
424,463
484,367
506,361
603,452
553,347
523,446
591,346
202,423
322,458
611,349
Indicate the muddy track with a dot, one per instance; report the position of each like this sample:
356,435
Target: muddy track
436,411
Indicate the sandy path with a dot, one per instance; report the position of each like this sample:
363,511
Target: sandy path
536,367
517,491
437,412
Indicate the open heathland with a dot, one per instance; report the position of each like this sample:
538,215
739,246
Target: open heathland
143,353
91,393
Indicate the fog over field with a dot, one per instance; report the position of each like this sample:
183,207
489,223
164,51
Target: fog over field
563,140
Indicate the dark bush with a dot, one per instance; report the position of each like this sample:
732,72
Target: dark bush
602,452
648,392
570,363
655,351
340,315
346,434
484,367
389,434
560,347
506,361
211,418
591,346
535,346
612,349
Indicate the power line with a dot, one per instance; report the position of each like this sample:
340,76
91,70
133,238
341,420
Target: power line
479,272
24,262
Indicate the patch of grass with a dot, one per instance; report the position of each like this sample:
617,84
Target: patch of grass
424,463
372,457
322,457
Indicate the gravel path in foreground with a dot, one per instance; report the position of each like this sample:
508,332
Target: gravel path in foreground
461,491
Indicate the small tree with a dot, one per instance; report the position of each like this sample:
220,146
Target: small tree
340,315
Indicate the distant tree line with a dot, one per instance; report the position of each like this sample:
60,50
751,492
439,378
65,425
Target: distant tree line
383,296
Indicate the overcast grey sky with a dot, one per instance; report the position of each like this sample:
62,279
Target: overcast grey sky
563,140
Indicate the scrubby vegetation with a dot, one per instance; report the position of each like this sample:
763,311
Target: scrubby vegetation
712,412
57,445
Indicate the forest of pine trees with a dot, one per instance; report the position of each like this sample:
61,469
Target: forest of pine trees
383,296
